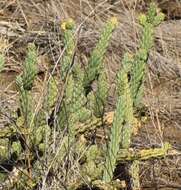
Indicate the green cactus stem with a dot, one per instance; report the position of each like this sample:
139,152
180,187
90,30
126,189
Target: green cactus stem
97,56
70,44
148,23
119,118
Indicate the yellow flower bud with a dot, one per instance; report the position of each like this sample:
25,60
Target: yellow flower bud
142,19
68,24
63,26
114,21
162,16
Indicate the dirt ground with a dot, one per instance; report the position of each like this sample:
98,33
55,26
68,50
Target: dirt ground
38,21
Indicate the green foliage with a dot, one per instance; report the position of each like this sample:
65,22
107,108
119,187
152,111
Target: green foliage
30,67
101,95
134,173
97,100
148,23
81,106
4,153
16,148
25,101
41,132
93,166
2,177
129,95
2,60
124,106
69,41
97,56
52,93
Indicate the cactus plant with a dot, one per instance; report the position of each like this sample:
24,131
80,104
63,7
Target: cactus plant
148,23
130,93
82,109
119,118
101,94
97,56
69,41
30,68
1,62
25,84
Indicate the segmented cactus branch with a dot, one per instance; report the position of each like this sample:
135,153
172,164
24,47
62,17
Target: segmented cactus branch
138,75
25,84
69,42
144,154
1,61
128,112
134,173
148,22
97,56
119,118
25,101
97,100
30,67
52,93
73,109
